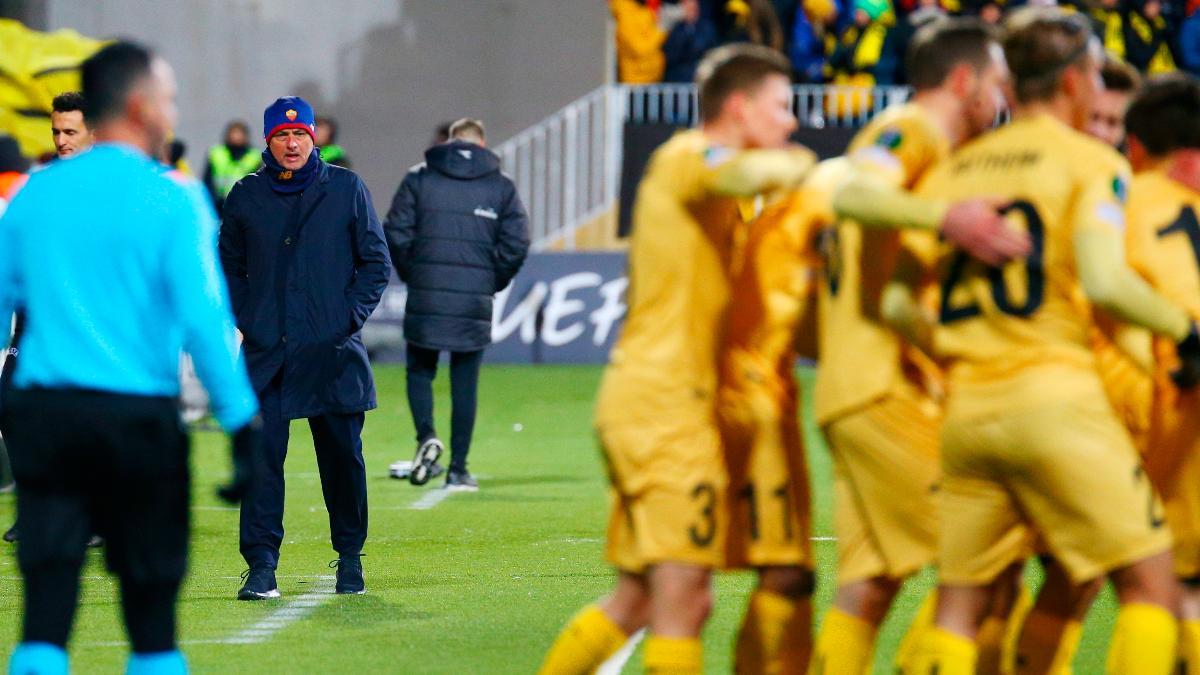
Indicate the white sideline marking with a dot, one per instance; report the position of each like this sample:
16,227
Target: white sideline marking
293,611
614,665
823,538
430,499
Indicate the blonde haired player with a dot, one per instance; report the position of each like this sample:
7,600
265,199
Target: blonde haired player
1164,245
656,410
1029,441
872,391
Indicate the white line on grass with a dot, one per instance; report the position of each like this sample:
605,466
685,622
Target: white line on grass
823,538
614,665
296,609
430,499
293,611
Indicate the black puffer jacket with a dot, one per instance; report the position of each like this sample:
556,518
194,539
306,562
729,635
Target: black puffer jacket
457,232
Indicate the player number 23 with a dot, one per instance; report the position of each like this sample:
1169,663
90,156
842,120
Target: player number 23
962,266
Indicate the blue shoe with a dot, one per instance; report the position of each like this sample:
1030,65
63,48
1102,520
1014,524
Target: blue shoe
158,663
38,658
349,575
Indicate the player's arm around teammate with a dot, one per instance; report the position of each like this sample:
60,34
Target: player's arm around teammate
874,397
656,407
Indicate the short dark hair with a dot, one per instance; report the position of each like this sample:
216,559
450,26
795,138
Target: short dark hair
331,123
68,101
108,77
1165,114
1040,45
1119,76
944,43
735,68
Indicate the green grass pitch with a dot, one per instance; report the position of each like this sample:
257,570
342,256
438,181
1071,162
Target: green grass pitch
479,583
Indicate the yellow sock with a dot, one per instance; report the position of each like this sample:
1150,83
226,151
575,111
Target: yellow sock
589,639
673,656
1143,642
1189,645
989,645
944,653
844,645
761,640
1012,630
1068,645
912,638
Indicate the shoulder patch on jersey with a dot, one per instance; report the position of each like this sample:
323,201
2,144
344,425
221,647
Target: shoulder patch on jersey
1120,188
889,138
716,155
1112,214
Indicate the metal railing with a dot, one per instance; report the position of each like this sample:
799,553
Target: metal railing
567,167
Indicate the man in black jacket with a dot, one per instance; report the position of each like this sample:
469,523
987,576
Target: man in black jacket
457,232
306,264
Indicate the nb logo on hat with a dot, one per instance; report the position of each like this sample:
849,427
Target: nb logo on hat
285,175
291,115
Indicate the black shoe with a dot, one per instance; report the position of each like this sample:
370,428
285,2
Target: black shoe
349,575
96,541
260,584
12,535
461,481
427,456
436,470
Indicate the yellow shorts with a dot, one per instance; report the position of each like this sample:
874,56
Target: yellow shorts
1173,462
885,476
1128,387
768,480
668,494
1067,470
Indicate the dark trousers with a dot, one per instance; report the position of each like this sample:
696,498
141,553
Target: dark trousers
338,441
464,398
93,462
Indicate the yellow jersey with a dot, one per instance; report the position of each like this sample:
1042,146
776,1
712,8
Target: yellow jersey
774,285
663,368
861,358
1020,335
1163,244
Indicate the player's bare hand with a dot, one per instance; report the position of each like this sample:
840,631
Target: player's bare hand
977,227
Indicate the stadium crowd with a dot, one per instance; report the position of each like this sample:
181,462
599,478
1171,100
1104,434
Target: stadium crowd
863,42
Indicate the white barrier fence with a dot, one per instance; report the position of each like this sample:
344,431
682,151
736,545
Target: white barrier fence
567,167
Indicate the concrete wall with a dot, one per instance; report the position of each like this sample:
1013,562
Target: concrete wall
388,70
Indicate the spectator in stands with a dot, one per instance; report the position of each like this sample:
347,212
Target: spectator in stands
306,263
1189,39
860,47
1147,38
331,152
68,128
687,43
639,42
814,34
229,162
785,13
1121,82
457,235
751,21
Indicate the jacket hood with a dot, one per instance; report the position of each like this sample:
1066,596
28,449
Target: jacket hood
463,160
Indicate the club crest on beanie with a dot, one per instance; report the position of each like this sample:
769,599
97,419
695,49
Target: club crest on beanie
289,112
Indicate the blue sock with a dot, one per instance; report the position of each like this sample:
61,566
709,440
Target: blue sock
157,663
38,658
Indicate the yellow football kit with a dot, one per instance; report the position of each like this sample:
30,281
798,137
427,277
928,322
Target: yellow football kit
655,412
1129,386
1030,442
1164,245
872,391
758,402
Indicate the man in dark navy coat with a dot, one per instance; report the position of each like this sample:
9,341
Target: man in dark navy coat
457,232
306,263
